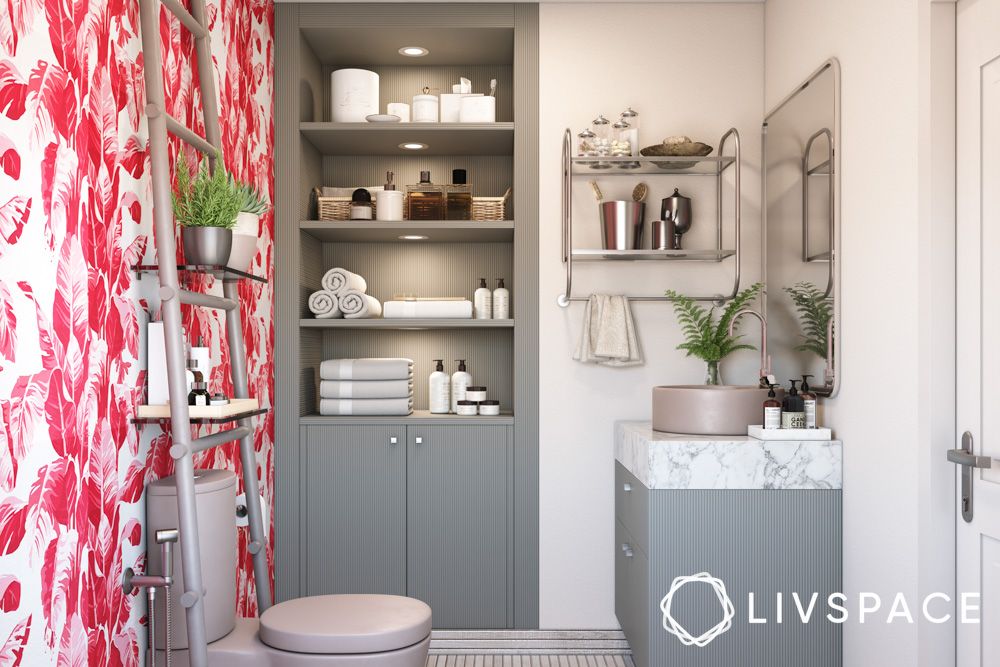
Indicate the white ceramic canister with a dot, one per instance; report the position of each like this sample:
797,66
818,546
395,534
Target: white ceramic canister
466,408
489,408
478,109
475,394
401,109
451,105
244,241
425,108
353,95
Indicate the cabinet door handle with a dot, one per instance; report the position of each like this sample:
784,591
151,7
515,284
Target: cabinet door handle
626,487
393,440
418,440
627,550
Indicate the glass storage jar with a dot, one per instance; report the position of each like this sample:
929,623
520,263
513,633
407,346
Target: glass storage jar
602,141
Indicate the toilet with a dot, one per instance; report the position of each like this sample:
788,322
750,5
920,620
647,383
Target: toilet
346,630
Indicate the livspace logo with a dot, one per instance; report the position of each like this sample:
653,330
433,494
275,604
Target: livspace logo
934,608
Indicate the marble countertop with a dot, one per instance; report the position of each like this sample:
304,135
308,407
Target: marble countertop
673,461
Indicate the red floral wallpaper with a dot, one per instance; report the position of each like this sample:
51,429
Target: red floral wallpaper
75,214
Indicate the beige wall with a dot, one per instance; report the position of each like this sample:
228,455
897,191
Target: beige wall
694,69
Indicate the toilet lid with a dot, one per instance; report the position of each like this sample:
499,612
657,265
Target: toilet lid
345,624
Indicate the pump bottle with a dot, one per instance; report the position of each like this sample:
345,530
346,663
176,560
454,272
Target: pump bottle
793,409
501,301
808,403
483,301
772,409
438,395
460,379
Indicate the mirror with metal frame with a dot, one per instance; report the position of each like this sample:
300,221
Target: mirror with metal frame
801,231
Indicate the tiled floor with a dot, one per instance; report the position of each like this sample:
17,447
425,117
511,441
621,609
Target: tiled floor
529,661
529,648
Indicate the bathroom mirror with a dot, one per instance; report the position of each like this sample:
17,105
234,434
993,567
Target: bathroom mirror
801,239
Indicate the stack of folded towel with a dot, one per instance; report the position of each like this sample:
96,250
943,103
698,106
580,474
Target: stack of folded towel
343,295
366,387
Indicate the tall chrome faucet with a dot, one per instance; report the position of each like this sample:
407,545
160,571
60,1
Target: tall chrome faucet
765,358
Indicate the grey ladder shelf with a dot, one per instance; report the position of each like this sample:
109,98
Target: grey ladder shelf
184,447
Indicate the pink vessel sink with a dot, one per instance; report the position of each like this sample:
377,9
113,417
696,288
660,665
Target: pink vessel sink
706,409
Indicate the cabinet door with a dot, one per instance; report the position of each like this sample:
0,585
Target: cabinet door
354,509
458,497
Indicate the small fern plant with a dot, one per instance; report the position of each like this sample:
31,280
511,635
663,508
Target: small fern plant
815,310
207,199
707,339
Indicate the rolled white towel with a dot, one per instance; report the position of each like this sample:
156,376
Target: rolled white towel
324,305
338,281
355,304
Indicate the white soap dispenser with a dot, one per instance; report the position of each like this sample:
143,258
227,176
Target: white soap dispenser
501,301
438,395
483,300
460,379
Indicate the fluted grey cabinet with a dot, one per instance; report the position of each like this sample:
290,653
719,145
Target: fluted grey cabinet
459,524
354,509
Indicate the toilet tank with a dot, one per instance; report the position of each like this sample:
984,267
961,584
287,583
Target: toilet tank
215,491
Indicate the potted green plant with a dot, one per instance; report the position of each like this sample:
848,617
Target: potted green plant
815,310
252,206
706,338
205,206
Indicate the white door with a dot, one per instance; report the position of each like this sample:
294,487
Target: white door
978,317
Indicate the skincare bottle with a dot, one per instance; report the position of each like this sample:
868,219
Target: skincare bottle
199,395
438,395
389,201
501,301
460,379
459,196
361,205
809,403
793,409
483,299
203,356
772,410
426,200
194,375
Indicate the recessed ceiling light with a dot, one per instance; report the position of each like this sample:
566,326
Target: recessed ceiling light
413,237
413,146
414,51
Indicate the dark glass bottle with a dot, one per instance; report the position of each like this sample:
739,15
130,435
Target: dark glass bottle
809,403
772,409
199,395
793,409
425,201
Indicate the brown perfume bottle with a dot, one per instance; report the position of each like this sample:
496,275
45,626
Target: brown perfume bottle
459,196
425,201
772,410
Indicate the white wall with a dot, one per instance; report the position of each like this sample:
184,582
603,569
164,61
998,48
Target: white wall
694,69
892,411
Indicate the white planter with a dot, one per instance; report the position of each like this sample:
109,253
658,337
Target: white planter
244,241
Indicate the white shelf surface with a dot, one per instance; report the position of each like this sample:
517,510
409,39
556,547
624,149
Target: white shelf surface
403,324
385,138
436,231
418,417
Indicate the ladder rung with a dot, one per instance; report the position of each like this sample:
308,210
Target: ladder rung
220,438
197,29
206,300
190,136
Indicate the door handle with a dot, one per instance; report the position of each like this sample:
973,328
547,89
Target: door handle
969,462
627,550
626,487
393,440
418,440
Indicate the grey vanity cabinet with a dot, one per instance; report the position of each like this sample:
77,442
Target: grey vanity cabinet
354,509
459,523
424,511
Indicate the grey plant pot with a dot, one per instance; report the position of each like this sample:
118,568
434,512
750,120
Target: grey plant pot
207,246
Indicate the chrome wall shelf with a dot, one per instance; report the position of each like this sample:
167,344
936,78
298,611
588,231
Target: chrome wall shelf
710,165
217,271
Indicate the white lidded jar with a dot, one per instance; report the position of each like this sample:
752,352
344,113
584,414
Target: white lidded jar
439,390
425,107
501,301
389,201
460,380
353,95
483,301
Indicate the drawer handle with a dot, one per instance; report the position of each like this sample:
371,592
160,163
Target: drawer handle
627,550
627,487
418,440
393,440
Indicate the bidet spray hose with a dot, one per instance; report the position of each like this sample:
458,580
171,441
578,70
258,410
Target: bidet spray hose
166,624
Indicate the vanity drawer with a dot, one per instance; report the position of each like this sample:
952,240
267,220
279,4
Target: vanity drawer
632,593
632,505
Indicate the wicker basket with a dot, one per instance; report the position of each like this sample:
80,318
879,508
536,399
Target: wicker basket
490,208
334,208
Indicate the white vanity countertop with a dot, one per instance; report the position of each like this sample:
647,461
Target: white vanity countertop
673,461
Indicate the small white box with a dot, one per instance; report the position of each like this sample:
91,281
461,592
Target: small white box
478,109
760,433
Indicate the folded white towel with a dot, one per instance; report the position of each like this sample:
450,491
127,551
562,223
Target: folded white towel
366,369
366,406
428,309
366,388
608,337
356,305
338,281
324,305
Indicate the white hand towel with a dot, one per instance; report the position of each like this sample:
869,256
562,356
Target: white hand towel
338,281
324,305
608,337
379,368
366,406
366,389
355,305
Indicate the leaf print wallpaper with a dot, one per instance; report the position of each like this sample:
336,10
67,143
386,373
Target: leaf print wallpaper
75,215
